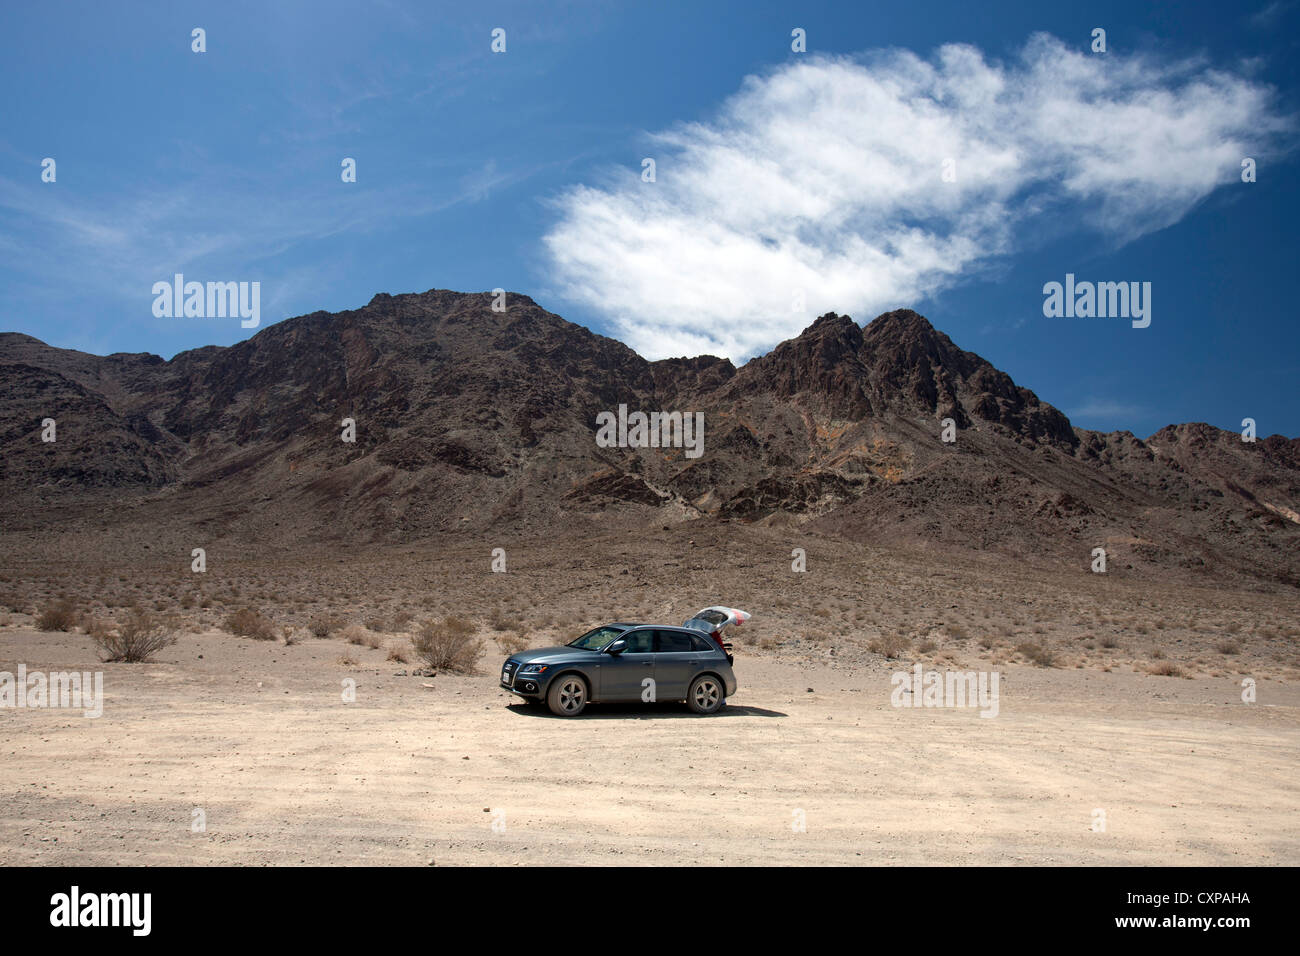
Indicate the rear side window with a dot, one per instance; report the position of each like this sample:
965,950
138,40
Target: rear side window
670,641
700,644
639,642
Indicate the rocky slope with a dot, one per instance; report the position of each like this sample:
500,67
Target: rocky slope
469,420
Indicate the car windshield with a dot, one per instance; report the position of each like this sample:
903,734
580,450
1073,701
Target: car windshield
595,640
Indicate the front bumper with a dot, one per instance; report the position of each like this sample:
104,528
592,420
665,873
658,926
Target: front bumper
525,685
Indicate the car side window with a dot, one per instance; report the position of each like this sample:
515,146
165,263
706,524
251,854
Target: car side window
674,641
700,644
639,642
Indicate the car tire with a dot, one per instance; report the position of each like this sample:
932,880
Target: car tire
567,695
705,695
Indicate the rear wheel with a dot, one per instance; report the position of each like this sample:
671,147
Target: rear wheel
705,695
567,696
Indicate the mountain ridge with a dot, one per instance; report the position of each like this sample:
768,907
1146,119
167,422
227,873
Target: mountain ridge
469,419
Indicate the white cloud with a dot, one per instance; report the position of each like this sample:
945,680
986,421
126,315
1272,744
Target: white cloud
825,177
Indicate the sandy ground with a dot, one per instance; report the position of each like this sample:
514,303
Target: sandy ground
257,736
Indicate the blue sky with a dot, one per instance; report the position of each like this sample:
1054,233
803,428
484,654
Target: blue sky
782,178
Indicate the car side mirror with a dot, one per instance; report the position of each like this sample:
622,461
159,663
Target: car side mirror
617,648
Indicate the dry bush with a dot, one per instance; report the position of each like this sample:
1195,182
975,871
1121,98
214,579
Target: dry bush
513,642
891,646
956,631
1040,654
373,641
1229,647
324,626
926,646
396,654
500,621
448,644
141,635
247,622
1109,641
1165,669
401,621
353,634
59,616
290,635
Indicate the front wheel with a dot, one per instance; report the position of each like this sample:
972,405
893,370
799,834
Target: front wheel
567,696
705,695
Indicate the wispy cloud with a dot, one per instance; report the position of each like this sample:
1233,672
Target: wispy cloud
1268,16
1108,410
824,180
117,245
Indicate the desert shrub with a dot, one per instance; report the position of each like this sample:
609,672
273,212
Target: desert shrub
353,634
512,642
59,616
890,645
1229,647
247,622
1040,654
324,626
289,634
137,638
1165,669
1109,640
401,621
956,631
448,644
395,654
926,646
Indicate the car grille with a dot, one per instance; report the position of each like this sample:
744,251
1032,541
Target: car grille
508,673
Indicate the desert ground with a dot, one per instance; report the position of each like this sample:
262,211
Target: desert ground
1120,694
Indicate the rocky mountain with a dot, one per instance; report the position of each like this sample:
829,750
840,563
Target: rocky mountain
468,420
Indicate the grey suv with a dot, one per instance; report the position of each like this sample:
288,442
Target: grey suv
623,663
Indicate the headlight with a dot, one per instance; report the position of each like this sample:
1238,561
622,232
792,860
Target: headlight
534,668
